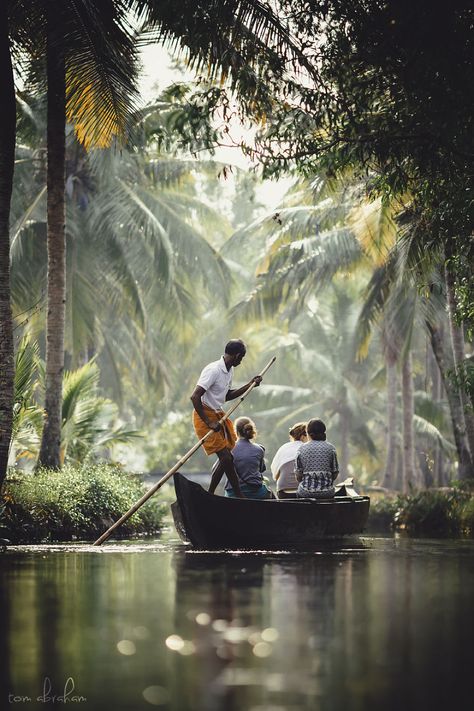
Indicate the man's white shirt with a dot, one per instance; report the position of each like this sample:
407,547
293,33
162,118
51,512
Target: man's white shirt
216,380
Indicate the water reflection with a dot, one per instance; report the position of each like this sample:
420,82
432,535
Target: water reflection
385,624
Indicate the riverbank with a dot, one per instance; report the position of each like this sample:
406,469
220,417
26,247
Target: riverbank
74,503
433,512
80,502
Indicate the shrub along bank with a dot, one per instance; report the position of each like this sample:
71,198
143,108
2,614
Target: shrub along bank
75,502
437,512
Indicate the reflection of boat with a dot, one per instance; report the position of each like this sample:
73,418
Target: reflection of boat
209,521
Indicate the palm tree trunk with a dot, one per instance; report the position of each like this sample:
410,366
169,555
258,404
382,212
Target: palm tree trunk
389,477
56,136
436,395
465,469
344,416
408,409
459,354
7,163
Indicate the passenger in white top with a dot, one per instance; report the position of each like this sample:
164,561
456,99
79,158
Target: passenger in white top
211,391
283,464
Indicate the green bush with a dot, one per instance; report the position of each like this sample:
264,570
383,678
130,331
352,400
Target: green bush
74,502
467,516
432,512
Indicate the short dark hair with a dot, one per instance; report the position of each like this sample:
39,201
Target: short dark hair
235,346
316,429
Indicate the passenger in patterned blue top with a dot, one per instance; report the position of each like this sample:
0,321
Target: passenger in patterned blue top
316,464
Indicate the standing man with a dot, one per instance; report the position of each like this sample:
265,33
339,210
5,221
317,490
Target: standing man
210,393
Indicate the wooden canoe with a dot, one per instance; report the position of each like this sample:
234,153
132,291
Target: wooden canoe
211,522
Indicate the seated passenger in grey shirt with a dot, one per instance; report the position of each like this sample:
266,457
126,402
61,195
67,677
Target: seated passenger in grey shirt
249,462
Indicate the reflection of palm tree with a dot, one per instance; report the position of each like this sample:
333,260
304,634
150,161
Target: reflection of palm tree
231,590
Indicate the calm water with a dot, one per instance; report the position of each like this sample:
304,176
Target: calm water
381,624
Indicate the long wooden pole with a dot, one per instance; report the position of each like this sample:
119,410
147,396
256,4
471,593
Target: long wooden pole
178,464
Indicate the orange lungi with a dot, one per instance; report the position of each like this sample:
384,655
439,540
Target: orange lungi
225,438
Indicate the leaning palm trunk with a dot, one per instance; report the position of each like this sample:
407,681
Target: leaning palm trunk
409,466
389,477
51,441
465,470
7,162
459,354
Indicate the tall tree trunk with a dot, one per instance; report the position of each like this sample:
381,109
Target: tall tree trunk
408,409
459,354
465,469
344,419
56,136
7,163
436,395
389,477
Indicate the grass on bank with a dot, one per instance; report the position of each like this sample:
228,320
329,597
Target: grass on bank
437,512
75,502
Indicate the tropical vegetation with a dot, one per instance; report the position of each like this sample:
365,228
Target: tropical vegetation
130,253
75,503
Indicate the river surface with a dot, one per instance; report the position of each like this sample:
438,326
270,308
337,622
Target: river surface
379,623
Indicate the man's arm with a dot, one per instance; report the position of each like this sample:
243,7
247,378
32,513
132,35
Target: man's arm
232,394
197,403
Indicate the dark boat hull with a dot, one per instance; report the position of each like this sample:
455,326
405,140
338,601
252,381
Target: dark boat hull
215,522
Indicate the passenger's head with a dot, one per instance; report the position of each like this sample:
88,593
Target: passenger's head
298,432
235,350
245,428
316,429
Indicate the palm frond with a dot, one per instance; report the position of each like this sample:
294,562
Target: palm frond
374,225
27,415
23,220
431,433
101,69
26,363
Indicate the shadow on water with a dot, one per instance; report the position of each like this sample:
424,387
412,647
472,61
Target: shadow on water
370,624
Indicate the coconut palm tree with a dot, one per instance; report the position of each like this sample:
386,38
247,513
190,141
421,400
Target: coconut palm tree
312,243
137,248
316,356
458,348
7,152
244,40
89,71
76,68
28,415
88,420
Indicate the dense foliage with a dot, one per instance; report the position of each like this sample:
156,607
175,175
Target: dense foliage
358,278
444,512
77,502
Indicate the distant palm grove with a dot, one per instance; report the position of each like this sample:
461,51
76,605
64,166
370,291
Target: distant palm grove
130,252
